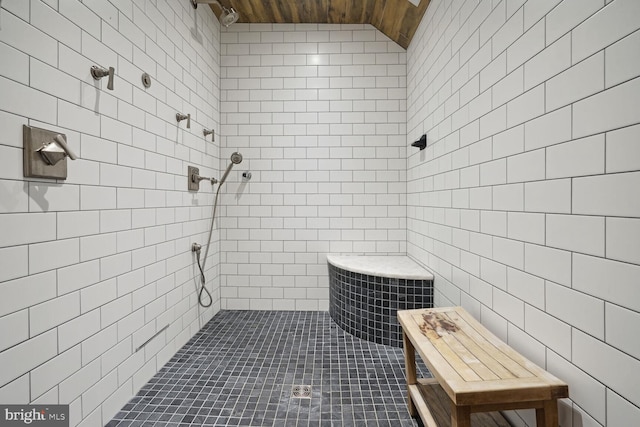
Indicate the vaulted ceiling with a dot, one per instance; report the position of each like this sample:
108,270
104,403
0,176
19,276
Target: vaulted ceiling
398,19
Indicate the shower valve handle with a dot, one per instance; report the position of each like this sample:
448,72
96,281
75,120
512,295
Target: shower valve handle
110,81
180,117
98,72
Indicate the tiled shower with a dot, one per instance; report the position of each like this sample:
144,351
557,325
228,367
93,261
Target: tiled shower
524,205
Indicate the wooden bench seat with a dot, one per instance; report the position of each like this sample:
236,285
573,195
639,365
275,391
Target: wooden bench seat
474,372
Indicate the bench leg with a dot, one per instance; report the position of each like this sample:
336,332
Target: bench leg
548,415
460,416
410,368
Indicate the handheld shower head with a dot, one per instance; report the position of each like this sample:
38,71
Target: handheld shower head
236,158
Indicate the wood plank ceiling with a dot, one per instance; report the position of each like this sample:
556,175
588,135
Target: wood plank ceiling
398,19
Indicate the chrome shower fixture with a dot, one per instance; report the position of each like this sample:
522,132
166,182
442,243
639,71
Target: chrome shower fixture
195,247
45,153
236,158
146,80
193,174
227,17
207,132
55,151
180,117
98,72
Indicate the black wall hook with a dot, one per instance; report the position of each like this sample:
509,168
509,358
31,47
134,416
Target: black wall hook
421,143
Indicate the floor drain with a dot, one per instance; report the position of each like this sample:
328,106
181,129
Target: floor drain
301,391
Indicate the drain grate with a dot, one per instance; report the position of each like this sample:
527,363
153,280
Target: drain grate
301,392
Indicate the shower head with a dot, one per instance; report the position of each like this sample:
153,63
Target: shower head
236,158
227,16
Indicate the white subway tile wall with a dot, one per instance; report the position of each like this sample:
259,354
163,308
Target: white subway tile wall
524,204
531,113
319,113
93,266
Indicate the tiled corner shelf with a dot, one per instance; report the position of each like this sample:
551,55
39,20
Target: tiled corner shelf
365,293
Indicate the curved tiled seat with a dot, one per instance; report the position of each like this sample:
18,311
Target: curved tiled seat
365,293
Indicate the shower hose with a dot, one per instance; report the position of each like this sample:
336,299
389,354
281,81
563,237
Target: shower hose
203,288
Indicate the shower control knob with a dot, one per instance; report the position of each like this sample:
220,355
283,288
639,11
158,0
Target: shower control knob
246,175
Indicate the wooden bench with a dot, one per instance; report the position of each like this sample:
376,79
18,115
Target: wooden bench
474,373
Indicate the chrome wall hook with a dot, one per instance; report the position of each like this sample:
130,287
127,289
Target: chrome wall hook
98,72
180,117
207,132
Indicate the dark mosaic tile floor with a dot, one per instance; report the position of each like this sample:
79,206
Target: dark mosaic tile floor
239,370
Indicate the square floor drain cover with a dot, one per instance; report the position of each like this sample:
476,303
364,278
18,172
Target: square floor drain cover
301,391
